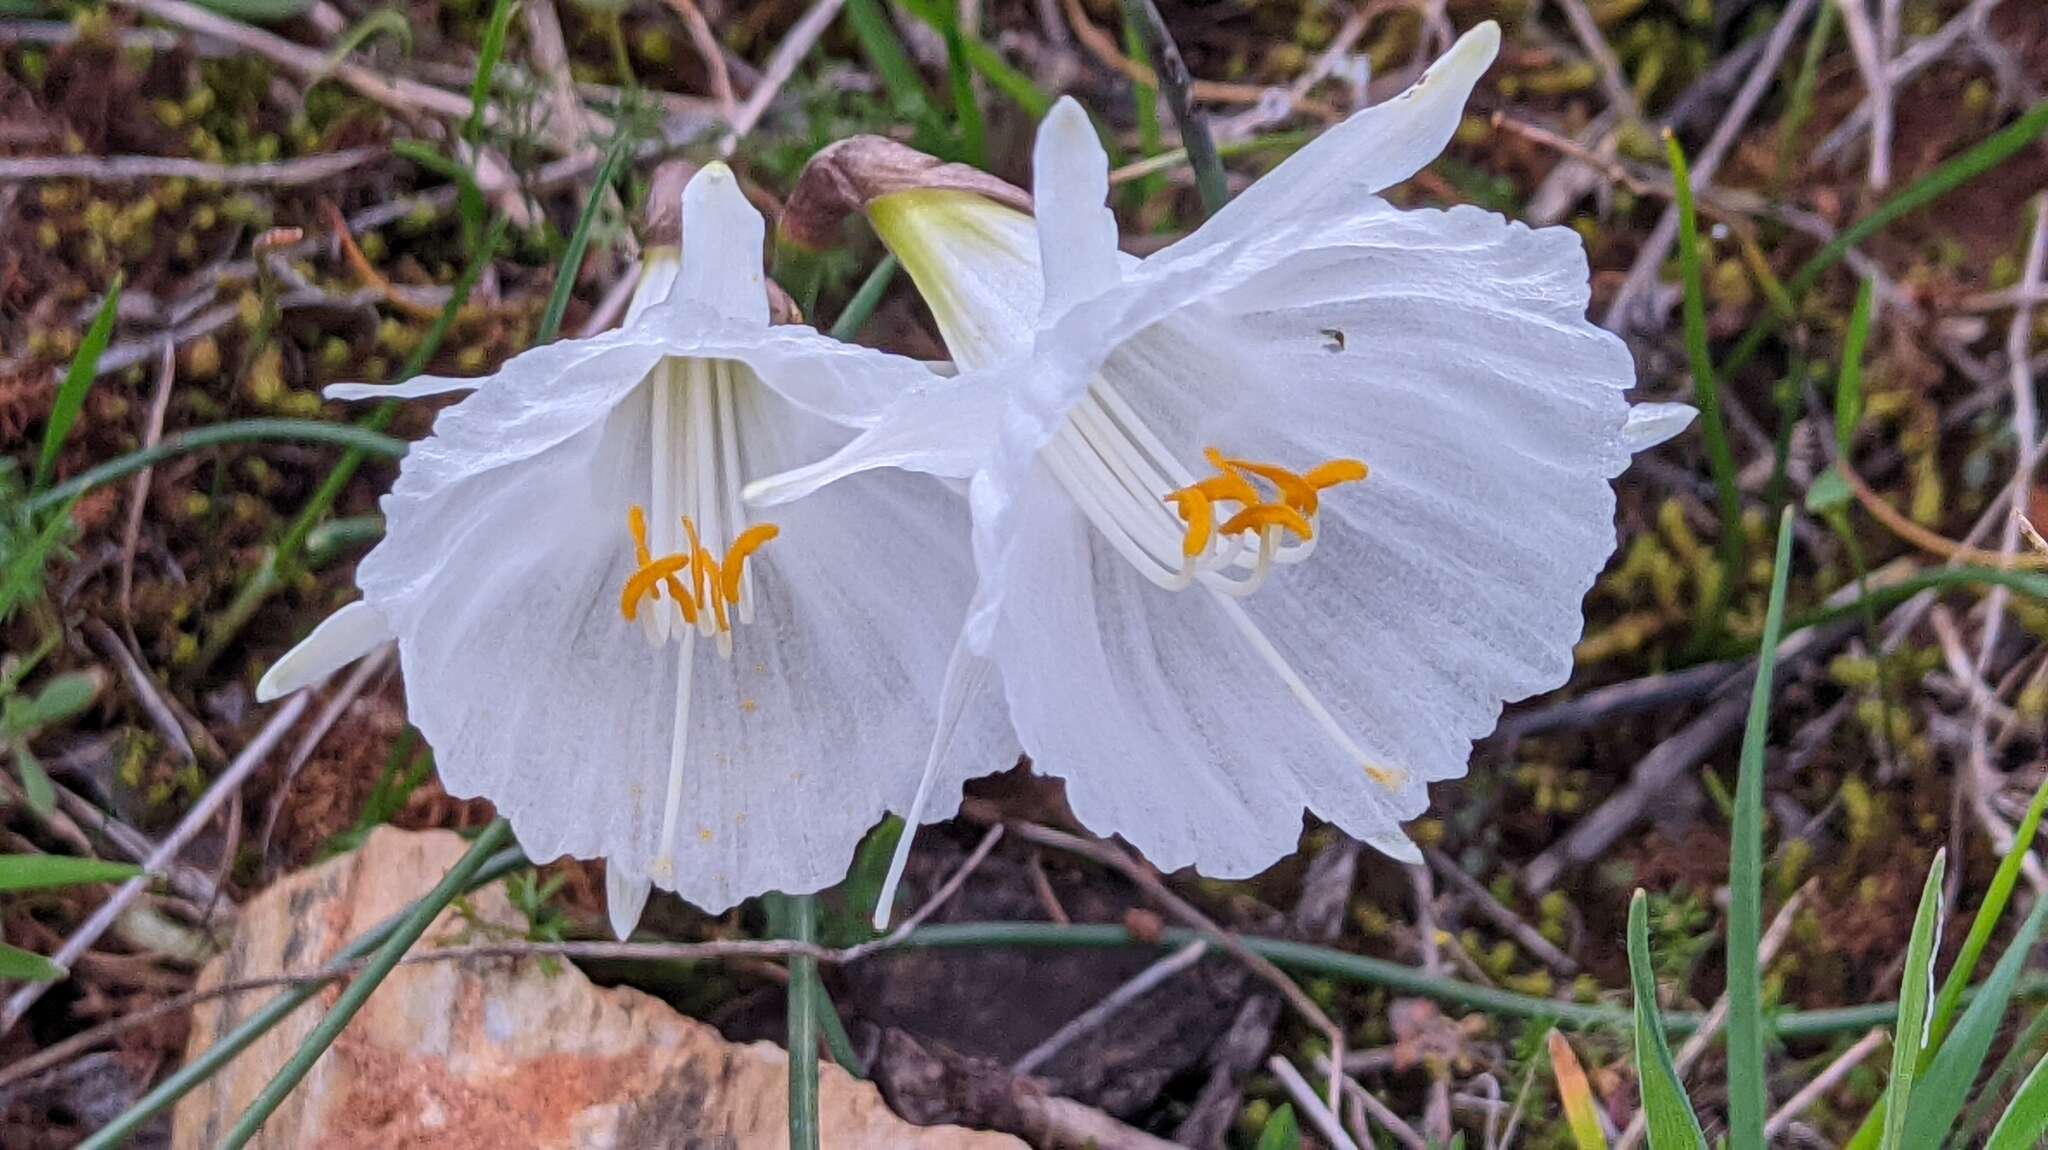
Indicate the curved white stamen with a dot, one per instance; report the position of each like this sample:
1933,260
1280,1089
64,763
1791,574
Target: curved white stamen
664,867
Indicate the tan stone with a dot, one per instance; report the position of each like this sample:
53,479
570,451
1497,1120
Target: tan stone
499,1054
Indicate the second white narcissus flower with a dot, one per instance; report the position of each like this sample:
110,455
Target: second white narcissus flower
601,639
1279,517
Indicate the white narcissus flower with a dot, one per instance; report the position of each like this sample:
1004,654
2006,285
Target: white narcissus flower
601,639
1279,517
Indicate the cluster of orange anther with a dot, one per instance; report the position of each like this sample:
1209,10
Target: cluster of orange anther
1292,504
714,584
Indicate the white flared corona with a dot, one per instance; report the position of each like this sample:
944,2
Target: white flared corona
599,637
1277,518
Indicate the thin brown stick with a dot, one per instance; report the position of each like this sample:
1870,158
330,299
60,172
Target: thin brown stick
1143,877
409,96
1500,915
138,489
795,45
1587,29
1650,257
1314,1109
1877,87
1825,1081
130,169
711,52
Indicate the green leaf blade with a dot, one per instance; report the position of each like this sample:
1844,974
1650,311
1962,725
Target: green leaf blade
1668,1114
1916,992
2026,1119
1747,1096
70,400
46,872
27,966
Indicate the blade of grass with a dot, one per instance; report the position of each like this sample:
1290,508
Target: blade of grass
1747,1099
1849,384
27,966
1996,897
1799,104
2027,1118
407,932
865,300
219,434
1707,393
1944,1087
70,400
1282,1131
1671,1123
1985,155
2025,1046
969,131
2030,583
1174,81
488,54
579,239
230,1045
41,872
804,995
889,60
1916,990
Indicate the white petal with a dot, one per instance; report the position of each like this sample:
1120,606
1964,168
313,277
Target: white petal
1166,727
1450,351
1373,149
1070,192
1650,424
340,639
625,897
946,428
535,692
722,247
975,264
846,383
659,269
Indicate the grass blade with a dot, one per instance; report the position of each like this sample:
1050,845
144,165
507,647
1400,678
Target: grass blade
804,995
1944,1087
1580,1111
1747,1100
1670,1121
1282,1131
885,54
1916,990
1174,81
865,300
27,966
78,379
2023,1123
1849,384
488,55
579,238
239,431
1707,393
41,872
407,932
1985,155
1996,898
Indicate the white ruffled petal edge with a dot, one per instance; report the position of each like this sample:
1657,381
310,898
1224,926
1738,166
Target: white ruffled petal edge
340,639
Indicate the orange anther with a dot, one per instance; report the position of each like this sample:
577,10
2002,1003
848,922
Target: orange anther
1270,515
1199,514
749,542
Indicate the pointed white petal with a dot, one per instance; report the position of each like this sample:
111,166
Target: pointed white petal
659,268
1374,149
975,264
625,898
1650,424
1070,192
946,428
340,639
722,247
843,382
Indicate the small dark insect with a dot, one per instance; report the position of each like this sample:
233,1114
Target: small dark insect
1336,335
